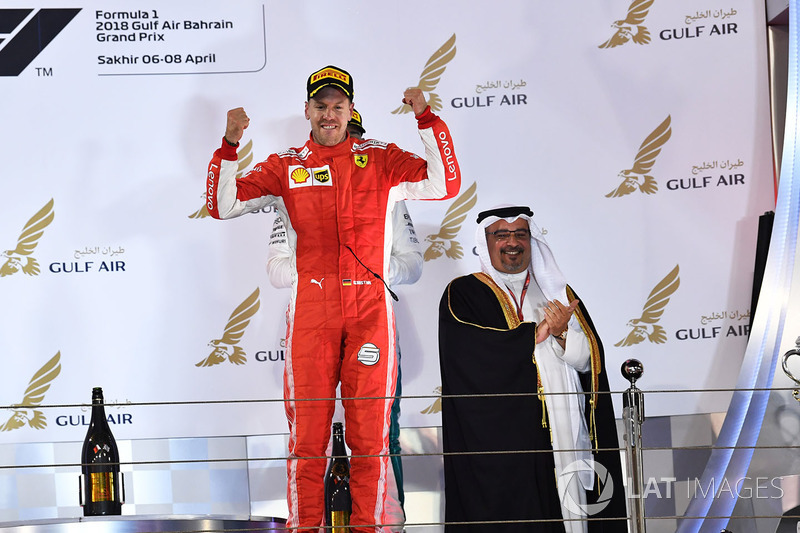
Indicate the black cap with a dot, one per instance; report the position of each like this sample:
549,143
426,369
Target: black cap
333,76
505,212
355,122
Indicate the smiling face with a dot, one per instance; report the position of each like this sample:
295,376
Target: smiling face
511,255
329,111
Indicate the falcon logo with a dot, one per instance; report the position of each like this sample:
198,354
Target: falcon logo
624,29
361,160
25,412
225,348
431,75
637,176
20,257
450,227
645,327
436,406
300,175
369,354
29,41
245,158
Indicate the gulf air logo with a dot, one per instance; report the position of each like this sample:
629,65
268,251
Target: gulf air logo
638,176
444,242
21,258
646,327
225,348
436,406
432,73
631,28
24,33
26,412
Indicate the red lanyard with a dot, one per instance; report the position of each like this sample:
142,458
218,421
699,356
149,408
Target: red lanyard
522,296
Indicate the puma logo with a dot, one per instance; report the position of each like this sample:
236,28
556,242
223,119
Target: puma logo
317,282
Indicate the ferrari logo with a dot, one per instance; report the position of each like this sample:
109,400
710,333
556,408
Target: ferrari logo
361,160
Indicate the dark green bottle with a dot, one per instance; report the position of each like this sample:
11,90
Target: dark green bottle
101,482
338,503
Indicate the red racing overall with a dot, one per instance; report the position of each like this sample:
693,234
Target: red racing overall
336,202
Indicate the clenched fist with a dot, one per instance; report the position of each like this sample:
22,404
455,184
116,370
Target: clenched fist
237,123
413,96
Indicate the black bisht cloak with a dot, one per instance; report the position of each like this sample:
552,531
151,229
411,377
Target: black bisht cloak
485,349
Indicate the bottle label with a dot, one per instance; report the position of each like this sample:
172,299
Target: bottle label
102,486
340,518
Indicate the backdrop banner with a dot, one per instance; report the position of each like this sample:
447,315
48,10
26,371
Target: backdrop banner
639,134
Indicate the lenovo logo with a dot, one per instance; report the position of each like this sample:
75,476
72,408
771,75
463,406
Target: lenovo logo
21,42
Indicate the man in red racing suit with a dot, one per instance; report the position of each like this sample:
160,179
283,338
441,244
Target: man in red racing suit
335,194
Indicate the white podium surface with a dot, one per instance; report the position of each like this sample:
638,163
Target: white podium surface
146,524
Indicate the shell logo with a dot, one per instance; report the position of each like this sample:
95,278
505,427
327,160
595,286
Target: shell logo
300,175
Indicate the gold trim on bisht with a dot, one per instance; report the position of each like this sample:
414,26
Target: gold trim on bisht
513,321
596,367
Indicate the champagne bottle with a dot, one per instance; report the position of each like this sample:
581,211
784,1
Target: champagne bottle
338,503
101,480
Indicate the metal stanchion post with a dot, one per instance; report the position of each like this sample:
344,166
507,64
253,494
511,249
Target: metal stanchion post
633,416
785,366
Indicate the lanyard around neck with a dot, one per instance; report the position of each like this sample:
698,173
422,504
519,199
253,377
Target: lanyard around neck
522,296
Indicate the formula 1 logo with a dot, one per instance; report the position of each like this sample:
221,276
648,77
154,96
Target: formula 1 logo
24,34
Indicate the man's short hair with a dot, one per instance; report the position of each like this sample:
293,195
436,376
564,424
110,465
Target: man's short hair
330,76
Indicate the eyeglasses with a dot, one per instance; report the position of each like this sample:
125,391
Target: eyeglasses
504,234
